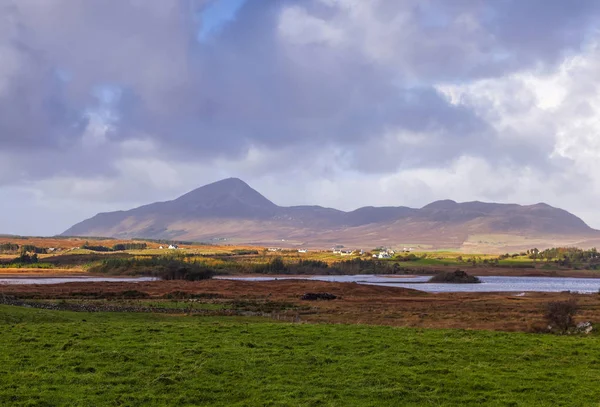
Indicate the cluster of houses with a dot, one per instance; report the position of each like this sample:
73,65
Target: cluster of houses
171,246
279,249
385,254
346,252
382,253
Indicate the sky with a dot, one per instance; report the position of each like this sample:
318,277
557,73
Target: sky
110,104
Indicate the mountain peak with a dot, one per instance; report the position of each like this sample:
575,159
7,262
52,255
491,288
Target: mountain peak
441,205
231,181
230,196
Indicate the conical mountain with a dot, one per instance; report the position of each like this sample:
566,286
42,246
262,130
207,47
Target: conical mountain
230,197
230,209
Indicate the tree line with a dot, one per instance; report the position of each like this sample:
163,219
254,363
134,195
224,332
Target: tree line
567,256
23,249
119,247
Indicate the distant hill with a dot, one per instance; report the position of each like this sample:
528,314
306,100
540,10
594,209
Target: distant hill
230,210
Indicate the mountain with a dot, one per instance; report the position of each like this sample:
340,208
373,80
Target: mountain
231,210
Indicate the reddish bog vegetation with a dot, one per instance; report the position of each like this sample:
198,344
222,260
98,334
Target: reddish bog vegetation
354,303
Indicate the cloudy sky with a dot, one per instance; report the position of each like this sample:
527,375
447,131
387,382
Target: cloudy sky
109,104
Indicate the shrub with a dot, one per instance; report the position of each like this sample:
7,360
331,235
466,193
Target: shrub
25,258
559,315
408,257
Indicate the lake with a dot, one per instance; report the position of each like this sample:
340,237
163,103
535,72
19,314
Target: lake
59,280
488,283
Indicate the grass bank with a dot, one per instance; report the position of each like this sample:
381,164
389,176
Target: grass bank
80,359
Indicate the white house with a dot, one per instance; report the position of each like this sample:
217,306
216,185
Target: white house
173,246
301,250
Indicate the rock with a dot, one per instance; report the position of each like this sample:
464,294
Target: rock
584,327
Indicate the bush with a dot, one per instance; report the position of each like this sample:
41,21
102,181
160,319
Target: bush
25,258
456,277
408,257
559,315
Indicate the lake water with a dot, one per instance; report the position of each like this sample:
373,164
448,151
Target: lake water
488,284
59,280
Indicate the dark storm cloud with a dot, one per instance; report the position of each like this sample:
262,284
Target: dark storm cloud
34,112
268,82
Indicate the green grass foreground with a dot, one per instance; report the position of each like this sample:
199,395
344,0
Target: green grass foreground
53,358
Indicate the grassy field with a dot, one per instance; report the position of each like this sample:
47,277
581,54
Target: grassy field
50,358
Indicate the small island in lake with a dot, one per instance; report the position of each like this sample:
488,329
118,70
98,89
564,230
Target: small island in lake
454,277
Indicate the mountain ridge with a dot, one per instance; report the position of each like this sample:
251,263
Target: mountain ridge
231,209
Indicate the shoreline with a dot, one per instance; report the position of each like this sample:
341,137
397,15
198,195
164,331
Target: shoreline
64,273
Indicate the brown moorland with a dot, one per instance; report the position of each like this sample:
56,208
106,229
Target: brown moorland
356,303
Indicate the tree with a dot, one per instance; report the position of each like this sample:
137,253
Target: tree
535,254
